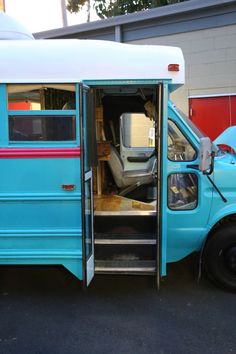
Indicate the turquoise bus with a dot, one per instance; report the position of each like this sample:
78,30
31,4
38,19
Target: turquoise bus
100,172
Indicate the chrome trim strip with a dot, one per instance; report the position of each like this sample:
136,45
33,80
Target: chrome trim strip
125,269
125,213
213,95
124,242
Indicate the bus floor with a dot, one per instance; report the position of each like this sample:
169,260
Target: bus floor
116,203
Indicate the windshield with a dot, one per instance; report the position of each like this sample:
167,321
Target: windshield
194,128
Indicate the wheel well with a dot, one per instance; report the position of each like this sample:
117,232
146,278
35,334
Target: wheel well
227,219
221,223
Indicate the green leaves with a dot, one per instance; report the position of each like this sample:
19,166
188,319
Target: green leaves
111,8
74,6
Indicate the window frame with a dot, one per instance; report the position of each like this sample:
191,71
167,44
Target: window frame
50,113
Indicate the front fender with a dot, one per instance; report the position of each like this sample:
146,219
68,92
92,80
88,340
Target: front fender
221,214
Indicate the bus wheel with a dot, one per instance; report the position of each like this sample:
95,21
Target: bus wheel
220,257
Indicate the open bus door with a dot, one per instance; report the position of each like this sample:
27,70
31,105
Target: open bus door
161,134
130,222
86,131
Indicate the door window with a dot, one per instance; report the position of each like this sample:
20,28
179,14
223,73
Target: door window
137,130
182,191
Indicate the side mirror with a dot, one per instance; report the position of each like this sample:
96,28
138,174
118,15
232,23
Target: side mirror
206,159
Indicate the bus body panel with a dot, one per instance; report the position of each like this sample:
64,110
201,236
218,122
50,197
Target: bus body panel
40,195
224,178
187,228
40,220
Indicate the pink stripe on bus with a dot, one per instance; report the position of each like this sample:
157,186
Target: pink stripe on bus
39,152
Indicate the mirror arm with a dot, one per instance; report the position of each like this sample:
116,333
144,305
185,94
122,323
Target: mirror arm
207,172
217,189
194,167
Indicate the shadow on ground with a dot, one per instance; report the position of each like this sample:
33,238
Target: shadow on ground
44,310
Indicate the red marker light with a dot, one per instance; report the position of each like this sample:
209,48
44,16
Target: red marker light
68,187
173,67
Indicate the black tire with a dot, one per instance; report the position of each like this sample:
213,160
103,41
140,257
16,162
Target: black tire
220,257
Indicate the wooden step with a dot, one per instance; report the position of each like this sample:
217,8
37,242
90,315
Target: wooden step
116,203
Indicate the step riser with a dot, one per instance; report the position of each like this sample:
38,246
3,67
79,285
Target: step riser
125,245
125,252
125,225
125,271
124,236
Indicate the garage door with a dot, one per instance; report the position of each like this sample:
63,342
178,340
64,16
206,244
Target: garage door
213,114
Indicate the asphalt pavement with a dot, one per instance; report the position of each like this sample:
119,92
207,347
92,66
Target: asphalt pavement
43,310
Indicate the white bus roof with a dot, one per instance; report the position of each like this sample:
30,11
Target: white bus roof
73,60
12,29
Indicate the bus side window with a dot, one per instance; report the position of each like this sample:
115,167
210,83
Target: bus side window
39,97
42,128
41,112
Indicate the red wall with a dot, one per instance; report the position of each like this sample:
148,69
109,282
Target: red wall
19,106
213,114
